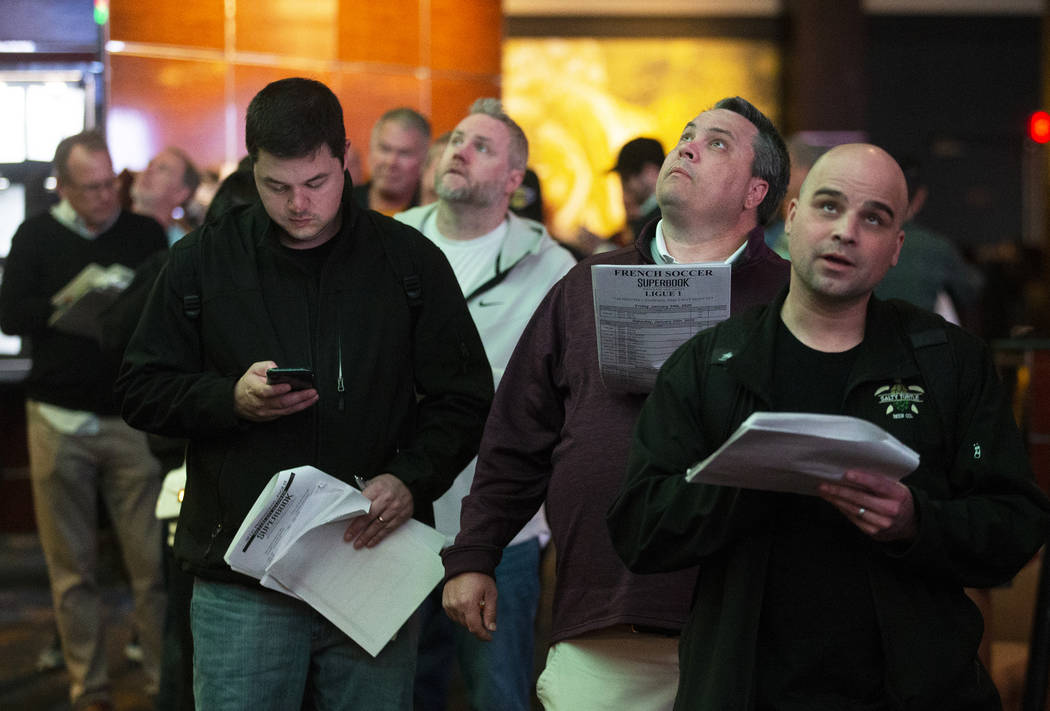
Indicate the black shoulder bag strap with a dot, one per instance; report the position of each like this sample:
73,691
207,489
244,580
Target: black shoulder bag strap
403,266
185,265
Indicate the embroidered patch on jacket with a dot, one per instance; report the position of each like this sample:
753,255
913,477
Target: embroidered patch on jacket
901,401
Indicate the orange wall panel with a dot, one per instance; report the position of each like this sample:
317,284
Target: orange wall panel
387,32
456,97
192,23
466,40
295,29
178,82
365,99
160,102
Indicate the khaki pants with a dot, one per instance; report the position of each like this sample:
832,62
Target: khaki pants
69,473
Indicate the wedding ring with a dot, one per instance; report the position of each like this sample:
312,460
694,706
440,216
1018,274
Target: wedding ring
860,512
380,518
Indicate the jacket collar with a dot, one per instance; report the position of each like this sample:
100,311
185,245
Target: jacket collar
66,216
756,241
524,236
887,351
756,244
643,244
884,353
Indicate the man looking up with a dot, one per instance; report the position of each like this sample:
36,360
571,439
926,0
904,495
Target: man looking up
505,265
557,435
395,156
80,450
167,183
853,598
303,278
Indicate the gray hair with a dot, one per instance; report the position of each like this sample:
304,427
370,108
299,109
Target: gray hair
409,118
518,153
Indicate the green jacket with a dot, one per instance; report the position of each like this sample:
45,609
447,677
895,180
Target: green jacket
981,517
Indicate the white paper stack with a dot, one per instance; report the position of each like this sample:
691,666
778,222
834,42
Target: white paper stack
794,452
292,541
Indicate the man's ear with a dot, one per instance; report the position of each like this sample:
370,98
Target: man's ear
756,193
790,219
61,188
897,254
183,196
346,155
514,179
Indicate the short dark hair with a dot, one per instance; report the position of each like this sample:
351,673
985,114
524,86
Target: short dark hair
292,118
90,140
771,162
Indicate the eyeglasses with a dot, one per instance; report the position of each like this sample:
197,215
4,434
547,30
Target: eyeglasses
104,186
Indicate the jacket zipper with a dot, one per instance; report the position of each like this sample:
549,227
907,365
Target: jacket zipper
315,349
214,534
339,364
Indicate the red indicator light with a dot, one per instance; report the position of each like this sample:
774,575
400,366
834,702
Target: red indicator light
1039,127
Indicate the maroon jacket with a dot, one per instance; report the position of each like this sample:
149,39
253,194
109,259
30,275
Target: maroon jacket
556,435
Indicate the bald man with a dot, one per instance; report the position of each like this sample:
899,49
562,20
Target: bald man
851,597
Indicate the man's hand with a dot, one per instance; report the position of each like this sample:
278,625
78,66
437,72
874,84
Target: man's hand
880,507
392,505
470,600
255,400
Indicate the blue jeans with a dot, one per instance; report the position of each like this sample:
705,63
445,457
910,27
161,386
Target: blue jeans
497,674
257,649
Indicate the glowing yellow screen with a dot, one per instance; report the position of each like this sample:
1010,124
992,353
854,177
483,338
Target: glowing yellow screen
579,100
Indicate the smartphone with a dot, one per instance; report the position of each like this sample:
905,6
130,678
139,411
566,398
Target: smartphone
298,378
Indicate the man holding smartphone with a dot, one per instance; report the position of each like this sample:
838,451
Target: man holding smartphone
303,279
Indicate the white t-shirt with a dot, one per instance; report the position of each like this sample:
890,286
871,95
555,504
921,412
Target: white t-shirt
473,260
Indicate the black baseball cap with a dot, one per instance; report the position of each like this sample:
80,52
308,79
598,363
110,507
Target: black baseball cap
636,154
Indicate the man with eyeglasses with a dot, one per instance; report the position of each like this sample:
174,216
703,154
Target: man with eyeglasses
80,449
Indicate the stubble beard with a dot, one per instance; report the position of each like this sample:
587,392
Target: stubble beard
467,194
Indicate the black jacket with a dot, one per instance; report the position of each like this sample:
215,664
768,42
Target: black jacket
402,390
981,517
